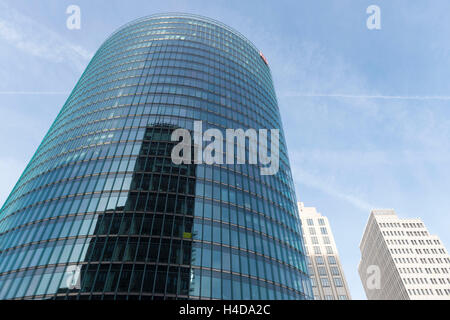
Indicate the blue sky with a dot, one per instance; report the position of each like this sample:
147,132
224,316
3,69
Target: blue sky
365,112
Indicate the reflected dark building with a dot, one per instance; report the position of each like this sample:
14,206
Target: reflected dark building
102,212
143,249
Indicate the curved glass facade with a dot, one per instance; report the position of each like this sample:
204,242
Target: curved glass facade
101,211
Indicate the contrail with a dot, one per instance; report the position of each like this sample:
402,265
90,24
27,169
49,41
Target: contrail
355,96
34,93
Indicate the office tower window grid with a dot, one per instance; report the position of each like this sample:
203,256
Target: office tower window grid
101,212
324,268
412,264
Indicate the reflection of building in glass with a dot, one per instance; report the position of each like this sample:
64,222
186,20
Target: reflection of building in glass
101,212
151,236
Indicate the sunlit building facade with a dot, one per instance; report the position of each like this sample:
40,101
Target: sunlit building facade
401,260
102,212
324,266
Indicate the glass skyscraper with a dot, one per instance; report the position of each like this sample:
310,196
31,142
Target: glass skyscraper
102,212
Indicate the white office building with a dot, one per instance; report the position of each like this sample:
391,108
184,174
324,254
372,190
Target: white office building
324,267
400,260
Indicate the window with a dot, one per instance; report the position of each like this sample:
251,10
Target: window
312,231
343,297
310,222
325,282
319,260
322,271
331,260
329,250
338,282
317,250
334,271
314,240
323,230
321,222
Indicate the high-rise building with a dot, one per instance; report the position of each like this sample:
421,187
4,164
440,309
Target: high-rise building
103,212
400,260
324,266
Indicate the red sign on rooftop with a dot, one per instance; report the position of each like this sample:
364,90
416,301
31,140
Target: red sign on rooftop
264,58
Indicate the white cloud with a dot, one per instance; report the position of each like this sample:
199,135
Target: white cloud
302,177
36,39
